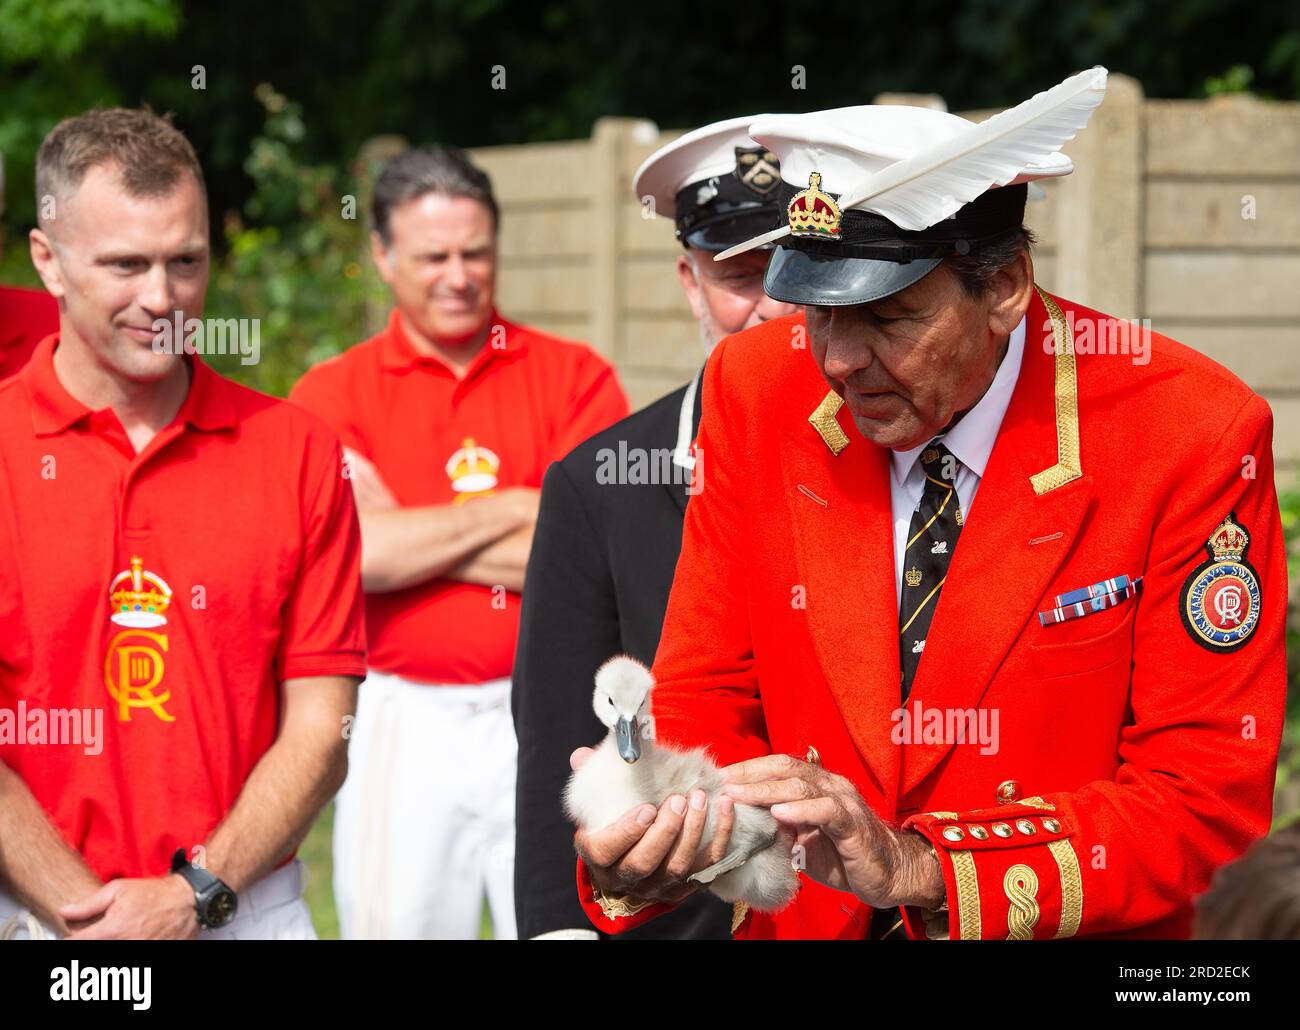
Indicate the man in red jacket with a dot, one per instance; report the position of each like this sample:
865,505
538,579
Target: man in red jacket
986,600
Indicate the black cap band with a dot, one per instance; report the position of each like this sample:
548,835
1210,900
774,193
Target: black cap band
720,199
865,234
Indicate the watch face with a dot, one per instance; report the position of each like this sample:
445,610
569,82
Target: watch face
221,908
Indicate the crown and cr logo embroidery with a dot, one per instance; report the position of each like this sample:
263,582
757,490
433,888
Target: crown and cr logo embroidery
134,664
1220,600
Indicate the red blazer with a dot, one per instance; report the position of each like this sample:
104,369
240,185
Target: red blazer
1132,759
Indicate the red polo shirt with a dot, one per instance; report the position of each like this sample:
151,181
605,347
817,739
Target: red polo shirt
26,317
524,402
172,591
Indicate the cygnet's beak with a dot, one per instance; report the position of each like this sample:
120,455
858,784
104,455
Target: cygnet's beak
627,732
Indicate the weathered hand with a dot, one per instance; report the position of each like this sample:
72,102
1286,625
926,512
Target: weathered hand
844,844
651,852
154,908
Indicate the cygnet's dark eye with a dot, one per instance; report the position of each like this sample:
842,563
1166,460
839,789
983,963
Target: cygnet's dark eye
611,701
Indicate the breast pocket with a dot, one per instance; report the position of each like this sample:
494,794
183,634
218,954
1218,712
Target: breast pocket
1085,644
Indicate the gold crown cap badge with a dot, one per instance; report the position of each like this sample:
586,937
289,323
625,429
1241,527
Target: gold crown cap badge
814,213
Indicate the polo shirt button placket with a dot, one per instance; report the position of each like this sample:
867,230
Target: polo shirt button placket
128,527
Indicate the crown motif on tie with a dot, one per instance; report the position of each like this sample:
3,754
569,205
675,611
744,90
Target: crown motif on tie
813,213
473,468
1229,541
960,517
134,605
930,456
913,577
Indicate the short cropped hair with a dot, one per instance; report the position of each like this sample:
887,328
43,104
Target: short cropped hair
976,270
446,171
151,153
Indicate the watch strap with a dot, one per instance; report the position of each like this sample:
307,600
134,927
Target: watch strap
205,886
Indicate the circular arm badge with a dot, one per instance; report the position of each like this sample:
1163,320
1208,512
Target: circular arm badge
1220,601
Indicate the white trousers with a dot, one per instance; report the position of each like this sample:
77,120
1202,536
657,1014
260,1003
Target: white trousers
272,909
424,824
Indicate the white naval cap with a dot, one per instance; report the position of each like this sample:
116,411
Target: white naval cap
846,143
874,197
715,182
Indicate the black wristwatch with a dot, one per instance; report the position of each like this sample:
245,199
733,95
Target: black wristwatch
214,902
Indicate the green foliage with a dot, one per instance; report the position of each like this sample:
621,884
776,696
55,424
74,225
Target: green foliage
61,57
1236,79
16,264
424,68
292,261
61,29
317,855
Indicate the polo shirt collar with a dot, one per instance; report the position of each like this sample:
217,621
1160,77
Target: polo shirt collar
971,440
53,408
207,405
399,354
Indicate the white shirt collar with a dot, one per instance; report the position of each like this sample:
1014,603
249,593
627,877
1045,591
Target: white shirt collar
971,440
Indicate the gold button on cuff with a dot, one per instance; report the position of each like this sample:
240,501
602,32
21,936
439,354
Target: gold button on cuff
1008,791
1026,827
1051,825
953,833
979,833
1002,829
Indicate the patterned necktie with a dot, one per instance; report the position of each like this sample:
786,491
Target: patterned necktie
931,540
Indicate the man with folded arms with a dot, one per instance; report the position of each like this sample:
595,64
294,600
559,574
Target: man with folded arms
451,415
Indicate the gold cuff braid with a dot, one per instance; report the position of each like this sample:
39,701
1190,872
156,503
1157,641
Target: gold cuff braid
618,906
